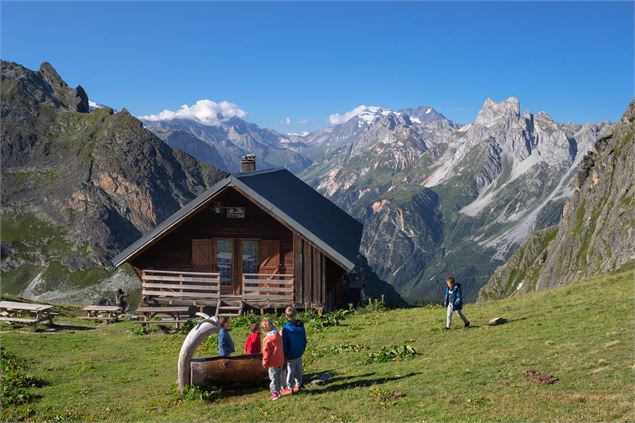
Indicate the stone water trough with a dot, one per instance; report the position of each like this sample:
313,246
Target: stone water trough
208,372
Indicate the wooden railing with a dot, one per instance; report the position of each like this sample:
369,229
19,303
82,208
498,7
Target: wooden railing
262,288
181,285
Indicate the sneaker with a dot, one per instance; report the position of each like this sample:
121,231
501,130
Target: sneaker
446,328
274,396
467,325
285,391
296,389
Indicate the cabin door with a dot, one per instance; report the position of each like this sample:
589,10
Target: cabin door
269,256
232,258
202,255
225,264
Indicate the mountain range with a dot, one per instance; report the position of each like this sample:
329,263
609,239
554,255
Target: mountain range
81,181
436,197
224,143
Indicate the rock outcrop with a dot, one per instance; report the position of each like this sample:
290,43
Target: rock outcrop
597,230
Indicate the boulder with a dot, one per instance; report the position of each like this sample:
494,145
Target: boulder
321,379
497,321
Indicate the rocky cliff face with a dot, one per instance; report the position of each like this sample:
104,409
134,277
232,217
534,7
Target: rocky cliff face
597,230
78,186
438,198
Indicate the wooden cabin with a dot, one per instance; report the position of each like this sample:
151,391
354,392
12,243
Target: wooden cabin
264,238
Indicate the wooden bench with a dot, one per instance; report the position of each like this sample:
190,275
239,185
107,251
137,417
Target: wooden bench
178,287
13,312
106,314
176,315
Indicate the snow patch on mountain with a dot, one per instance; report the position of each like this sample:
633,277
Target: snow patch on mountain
365,114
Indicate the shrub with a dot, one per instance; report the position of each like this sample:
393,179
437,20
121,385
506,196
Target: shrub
16,383
373,306
195,393
393,353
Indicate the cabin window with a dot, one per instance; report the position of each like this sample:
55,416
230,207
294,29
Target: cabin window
224,260
250,256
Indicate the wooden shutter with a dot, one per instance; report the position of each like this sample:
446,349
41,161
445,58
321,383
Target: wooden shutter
269,252
202,255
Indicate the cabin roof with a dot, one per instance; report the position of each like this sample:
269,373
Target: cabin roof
288,198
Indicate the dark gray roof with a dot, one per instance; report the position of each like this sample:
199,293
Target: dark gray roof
286,196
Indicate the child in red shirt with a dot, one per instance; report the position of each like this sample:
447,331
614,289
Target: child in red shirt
252,344
272,356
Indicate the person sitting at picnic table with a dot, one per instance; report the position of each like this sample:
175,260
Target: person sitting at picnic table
120,299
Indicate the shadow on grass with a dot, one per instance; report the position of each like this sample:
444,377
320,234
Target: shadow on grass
19,328
62,327
356,383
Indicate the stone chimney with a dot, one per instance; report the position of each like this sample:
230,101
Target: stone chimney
248,163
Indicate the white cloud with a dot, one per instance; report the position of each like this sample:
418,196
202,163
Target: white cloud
205,111
286,121
337,119
94,105
303,121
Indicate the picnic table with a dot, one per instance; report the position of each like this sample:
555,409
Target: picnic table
176,315
14,312
107,314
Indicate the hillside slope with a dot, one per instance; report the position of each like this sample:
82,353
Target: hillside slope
476,374
78,186
597,230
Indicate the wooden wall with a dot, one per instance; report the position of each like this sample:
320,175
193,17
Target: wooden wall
174,251
310,273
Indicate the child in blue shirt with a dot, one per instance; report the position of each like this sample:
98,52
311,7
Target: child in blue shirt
454,302
294,343
225,343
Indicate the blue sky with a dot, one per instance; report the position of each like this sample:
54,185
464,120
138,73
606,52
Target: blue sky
305,61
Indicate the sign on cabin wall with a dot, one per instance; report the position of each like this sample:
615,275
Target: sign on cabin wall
235,212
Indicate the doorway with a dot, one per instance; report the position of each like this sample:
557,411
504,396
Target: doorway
232,257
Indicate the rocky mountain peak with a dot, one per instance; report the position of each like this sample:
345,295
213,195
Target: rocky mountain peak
50,75
493,112
629,116
74,99
425,115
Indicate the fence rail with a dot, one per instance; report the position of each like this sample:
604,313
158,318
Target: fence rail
268,288
176,284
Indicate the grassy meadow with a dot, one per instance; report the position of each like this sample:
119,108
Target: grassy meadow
583,334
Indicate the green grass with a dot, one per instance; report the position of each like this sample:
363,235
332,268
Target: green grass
26,227
582,333
15,280
57,275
